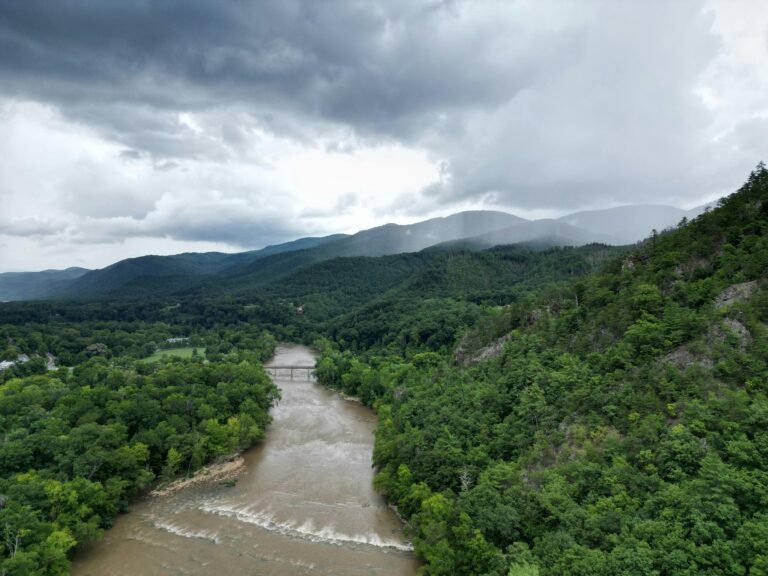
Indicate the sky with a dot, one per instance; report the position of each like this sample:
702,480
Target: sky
159,126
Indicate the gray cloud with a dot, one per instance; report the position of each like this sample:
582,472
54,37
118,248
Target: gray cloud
524,104
389,68
31,227
130,155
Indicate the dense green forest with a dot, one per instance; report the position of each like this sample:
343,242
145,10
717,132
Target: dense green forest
620,431
106,424
79,442
542,411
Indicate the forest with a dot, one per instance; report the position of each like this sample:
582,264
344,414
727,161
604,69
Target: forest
542,411
621,430
80,442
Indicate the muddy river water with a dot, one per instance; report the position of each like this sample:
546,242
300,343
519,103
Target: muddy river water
304,503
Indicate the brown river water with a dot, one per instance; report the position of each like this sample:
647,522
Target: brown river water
304,503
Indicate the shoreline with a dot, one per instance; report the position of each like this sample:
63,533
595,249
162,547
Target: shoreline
216,472
228,469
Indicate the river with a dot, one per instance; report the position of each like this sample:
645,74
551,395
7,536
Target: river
304,503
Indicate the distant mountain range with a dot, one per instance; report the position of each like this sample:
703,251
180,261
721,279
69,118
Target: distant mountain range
628,224
37,285
214,271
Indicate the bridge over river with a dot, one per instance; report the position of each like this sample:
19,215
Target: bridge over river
275,369
303,505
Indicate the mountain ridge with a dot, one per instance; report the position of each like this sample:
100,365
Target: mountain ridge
206,272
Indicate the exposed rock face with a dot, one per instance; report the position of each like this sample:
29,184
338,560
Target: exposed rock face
735,293
463,357
739,330
682,358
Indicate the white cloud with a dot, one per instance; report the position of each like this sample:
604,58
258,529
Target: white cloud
74,196
247,124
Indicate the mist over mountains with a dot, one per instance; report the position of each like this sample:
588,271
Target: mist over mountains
212,271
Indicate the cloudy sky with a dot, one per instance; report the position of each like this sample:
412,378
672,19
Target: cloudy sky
153,126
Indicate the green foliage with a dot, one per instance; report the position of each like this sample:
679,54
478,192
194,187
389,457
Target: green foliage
76,445
621,428
175,352
620,431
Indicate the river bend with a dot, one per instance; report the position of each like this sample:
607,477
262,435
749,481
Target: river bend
304,503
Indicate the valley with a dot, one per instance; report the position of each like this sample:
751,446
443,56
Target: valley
303,502
375,288
539,410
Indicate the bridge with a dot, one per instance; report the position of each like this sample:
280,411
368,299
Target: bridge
274,370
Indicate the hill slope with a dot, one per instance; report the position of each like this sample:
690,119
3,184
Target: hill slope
621,429
208,273
538,233
159,276
396,238
629,224
36,285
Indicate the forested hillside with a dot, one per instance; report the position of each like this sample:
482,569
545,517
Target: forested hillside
622,429
80,439
559,411
453,291
36,285
212,274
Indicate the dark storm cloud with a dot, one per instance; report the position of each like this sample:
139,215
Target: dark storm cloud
385,68
528,104
620,122
215,221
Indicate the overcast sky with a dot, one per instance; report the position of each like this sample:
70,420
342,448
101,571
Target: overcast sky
150,126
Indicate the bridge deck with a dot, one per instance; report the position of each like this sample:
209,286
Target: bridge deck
274,369
270,366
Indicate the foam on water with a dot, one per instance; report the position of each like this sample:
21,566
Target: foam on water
306,531
186,532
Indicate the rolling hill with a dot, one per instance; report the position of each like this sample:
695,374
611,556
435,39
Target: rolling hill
209,273
613,424
36,285
537,233
629,224
164,275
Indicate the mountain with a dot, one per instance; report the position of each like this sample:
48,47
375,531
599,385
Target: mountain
209,273
165,275
613,424
36,285
213,272
397,238
300,244
542,233
160,273
379,241
630,224
333,287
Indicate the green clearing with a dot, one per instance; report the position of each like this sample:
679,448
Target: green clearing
177,352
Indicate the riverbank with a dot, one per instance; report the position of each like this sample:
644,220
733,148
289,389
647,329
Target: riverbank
303,503
218,472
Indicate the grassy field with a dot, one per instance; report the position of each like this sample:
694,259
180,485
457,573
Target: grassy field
178,352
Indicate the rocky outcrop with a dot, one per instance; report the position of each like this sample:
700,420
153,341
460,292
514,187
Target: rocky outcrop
730,325
735,293
465,357
682,359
